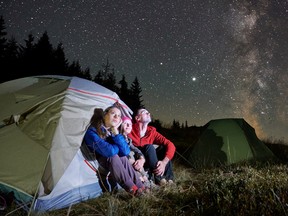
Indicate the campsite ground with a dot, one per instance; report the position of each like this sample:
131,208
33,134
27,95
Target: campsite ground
259,189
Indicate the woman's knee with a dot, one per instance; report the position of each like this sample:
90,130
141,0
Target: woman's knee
114,160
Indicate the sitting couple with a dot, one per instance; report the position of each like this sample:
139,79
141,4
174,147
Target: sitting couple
112,151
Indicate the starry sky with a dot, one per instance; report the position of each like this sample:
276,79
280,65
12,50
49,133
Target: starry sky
196,60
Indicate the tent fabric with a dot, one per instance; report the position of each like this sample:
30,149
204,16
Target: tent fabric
77,173
43,121
227,141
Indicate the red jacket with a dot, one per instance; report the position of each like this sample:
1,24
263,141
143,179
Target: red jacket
151,137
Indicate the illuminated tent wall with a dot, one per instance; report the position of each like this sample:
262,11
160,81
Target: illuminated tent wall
43,121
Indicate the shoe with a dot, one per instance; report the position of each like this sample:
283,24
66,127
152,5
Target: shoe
139,192
162,182
133,190
171,182
147,190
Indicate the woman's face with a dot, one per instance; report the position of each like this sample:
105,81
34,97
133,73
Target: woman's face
112,118
127,127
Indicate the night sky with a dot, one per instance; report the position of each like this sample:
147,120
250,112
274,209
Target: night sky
196,60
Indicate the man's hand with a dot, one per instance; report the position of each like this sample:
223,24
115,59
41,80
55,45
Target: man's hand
160,167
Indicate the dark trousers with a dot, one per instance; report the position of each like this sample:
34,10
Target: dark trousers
121,171
152,157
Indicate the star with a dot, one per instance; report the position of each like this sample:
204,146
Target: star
237,49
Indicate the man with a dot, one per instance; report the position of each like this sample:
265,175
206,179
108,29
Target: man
158,161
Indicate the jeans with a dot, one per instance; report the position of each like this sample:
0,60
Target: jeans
152,157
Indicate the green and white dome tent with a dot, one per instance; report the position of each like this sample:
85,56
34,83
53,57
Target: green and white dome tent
43,121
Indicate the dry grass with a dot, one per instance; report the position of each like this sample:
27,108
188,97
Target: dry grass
259,189
237,190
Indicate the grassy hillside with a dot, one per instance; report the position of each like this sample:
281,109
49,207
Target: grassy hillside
259,189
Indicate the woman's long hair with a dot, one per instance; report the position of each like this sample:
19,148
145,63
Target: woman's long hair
97,120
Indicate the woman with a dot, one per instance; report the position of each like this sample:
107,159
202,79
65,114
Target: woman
111,149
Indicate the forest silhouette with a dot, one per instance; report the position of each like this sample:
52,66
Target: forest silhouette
39,57
36,58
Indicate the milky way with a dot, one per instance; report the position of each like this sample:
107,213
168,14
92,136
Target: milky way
195,60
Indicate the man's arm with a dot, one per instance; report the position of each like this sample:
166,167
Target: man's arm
170,147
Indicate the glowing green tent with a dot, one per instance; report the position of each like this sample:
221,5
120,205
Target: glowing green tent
228,141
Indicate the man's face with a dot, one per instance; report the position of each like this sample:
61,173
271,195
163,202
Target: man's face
143,116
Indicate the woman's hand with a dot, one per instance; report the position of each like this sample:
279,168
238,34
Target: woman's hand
138,164
115,130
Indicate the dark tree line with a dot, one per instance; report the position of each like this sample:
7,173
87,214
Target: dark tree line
41,58
176,125
34,58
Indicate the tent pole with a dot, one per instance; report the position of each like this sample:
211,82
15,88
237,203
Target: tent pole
37,190
69,209
184,158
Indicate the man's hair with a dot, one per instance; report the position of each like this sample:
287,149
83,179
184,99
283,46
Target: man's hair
139,111
136,113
